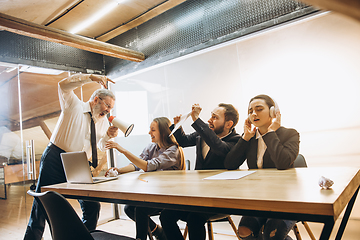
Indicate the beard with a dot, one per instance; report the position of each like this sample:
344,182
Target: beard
219,130
97,114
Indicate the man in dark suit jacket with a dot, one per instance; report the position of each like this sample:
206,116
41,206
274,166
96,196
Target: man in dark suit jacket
213,141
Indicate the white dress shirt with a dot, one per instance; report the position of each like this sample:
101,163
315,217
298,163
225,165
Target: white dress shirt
72,130
261,149
205,148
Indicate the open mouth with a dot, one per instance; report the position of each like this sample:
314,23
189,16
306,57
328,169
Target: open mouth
256,119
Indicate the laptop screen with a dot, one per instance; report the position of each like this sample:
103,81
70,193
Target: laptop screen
76,167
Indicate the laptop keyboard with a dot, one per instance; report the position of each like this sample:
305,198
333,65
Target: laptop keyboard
98,179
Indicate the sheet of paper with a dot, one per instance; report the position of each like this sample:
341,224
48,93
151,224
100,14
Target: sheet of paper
180,123
229,175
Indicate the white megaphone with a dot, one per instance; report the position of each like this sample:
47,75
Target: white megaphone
126,128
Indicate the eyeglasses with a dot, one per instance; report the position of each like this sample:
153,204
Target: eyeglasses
107,105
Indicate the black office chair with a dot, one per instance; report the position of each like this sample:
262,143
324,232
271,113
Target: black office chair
64,222
187,164
300,163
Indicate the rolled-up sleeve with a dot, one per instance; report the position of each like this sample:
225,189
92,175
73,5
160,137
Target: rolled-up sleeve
166,160
160,159
66,87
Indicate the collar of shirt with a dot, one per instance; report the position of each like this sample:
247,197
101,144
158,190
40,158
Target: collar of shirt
227,134
258,134
206,148
86,107
157,148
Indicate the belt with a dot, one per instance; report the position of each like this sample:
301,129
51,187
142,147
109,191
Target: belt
53,146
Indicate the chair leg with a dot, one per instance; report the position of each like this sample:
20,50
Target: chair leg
151,237
308,230
185,232
210,231
233,227
297,233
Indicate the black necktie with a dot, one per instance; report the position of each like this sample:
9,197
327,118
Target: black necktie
93,142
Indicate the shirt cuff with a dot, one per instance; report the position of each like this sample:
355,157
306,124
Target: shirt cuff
84,78
107,138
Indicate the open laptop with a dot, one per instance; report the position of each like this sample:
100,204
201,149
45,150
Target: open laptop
77,170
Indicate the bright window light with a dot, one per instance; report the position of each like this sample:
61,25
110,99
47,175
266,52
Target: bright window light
10,69
40,70
132,107
102,12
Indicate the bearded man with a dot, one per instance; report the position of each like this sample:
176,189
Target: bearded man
213,141
73,133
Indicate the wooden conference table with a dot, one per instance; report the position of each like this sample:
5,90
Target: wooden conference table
285,194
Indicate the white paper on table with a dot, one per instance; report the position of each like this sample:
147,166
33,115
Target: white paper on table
180,123
229,175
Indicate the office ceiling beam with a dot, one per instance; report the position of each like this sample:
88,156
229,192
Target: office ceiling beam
33,122
22,27
45,129
163,7
349,8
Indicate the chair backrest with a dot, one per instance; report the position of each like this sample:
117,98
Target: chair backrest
300,161
62,218
187,163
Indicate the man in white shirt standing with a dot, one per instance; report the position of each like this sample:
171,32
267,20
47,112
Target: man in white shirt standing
72,133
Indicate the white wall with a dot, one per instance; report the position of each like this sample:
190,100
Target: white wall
311,68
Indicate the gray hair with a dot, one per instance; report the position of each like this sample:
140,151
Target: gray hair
102,93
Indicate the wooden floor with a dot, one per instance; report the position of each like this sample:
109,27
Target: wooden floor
16,208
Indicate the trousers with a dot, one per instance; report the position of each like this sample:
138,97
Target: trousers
52,172
141,216
195,222
267,228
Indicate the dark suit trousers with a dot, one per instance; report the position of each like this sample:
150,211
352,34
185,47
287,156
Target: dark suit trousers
52,172
195,222
141,216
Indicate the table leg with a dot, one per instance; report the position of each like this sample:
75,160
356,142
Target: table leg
327,229
2,180
346,216
5,195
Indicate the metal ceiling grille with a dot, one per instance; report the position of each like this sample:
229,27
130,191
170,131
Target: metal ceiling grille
197,24
20,49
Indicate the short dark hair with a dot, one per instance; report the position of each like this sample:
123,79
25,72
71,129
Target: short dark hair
231,113
268,100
